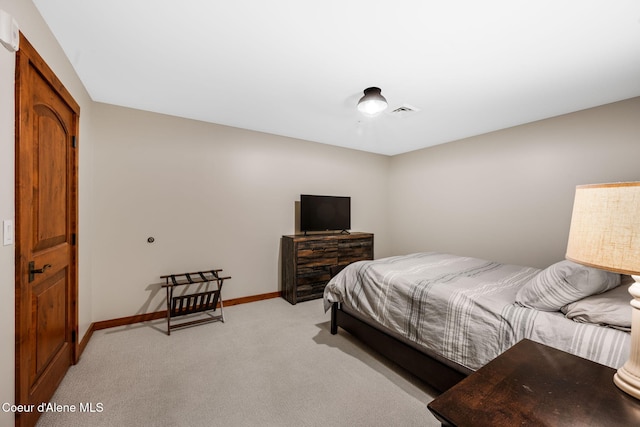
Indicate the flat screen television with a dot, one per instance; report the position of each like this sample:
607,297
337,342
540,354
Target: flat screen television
324,213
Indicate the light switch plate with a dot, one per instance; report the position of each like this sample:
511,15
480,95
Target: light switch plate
7,232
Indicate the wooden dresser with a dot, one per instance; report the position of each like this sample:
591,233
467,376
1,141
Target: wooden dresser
308,262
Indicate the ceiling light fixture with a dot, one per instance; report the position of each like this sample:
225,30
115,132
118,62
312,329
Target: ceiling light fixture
372,102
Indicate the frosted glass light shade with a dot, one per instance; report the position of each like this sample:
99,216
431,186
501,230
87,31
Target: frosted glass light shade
372,102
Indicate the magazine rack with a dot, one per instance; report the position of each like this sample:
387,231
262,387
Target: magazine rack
207,300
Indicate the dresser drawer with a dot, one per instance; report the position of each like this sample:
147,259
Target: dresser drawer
306,271
311,286
313,254
353,250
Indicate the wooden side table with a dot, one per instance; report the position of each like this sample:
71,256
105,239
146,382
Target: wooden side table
535,385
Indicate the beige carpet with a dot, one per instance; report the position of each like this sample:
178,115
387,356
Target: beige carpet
269,364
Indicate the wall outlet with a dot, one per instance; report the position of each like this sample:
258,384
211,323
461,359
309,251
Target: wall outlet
7,232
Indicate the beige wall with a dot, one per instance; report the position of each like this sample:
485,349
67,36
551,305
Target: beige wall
211,196
227,195
508,195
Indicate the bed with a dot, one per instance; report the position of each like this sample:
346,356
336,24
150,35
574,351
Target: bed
443,316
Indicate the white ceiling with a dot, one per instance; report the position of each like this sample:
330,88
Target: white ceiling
298,67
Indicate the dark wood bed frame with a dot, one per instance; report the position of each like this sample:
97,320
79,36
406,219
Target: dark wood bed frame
438,374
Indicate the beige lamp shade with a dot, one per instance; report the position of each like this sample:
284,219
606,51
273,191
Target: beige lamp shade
605,227
605,233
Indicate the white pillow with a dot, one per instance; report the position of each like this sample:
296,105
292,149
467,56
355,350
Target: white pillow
563,283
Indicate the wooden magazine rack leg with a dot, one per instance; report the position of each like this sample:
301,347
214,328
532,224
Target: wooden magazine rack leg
206,301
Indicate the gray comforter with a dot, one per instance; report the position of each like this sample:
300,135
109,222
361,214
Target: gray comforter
463,308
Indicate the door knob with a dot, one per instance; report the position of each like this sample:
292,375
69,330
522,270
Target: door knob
33,271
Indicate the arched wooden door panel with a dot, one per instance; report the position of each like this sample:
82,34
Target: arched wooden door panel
46,234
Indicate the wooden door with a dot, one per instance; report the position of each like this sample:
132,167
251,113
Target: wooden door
46,235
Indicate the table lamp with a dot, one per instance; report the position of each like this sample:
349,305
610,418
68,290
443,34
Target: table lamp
605,234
